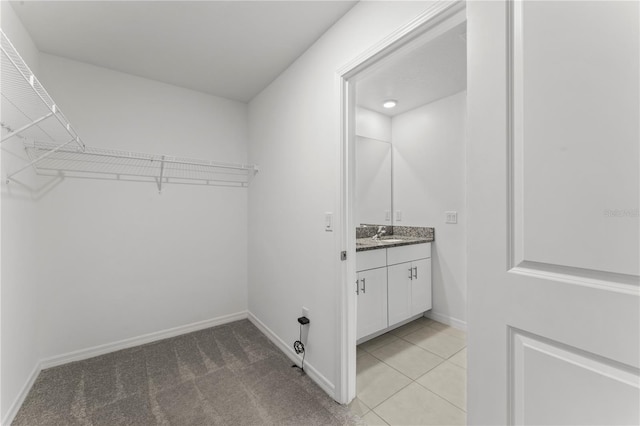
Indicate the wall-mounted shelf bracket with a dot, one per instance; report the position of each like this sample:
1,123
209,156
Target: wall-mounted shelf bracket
161,174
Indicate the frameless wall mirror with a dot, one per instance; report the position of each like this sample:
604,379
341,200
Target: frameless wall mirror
373,181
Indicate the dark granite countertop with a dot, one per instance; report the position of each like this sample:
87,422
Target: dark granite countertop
364,244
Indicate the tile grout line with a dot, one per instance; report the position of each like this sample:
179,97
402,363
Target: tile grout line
400,372
403,338
416,380
420,347
441,397
390,396
424,349
422,326
390,366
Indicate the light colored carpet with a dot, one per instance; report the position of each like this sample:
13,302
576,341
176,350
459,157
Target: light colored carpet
226,375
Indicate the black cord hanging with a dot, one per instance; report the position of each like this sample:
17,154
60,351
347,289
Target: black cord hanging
298,346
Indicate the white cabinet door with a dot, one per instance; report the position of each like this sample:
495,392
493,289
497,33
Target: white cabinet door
399,288
421,286
372,301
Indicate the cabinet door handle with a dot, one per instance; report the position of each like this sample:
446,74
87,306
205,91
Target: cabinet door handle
410,273
415,268
357,288
364,285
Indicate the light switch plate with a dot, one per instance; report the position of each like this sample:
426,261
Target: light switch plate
328,221
451,217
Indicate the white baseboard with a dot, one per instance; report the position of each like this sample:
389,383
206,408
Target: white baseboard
17,403
388,329
139,340
446,319
112,347
313,373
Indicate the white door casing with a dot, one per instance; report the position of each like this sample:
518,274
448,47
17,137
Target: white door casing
437,17
553,190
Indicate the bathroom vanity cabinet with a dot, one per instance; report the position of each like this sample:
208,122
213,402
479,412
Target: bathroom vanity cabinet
393,285
371,288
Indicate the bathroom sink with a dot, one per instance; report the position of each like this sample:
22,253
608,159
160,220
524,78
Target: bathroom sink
381,241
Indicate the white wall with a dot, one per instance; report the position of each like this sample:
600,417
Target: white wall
294,136
429,179
117,259
372,124
18,294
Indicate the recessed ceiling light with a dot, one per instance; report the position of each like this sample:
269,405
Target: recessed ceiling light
390,103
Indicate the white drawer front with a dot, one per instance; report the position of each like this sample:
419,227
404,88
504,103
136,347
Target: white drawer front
371,259
403,254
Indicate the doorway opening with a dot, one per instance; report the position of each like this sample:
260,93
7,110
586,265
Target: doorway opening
419,66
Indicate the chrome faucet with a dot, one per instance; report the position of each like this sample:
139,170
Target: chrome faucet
381,231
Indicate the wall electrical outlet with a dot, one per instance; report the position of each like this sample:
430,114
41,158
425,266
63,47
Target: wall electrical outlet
398,215
387,215
451,217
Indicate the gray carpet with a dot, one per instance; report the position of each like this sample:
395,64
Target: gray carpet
226,375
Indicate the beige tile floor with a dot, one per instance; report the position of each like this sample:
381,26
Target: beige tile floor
413,375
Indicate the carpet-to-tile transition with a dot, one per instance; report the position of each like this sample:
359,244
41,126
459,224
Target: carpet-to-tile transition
226,375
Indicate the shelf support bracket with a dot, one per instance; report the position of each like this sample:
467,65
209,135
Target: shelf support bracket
25,127
161,174
43,156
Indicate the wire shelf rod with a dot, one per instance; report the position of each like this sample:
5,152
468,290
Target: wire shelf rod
172,181
214,164
157,168
160,158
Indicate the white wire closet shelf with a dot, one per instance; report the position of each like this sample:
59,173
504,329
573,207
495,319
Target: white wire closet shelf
95,162
29,114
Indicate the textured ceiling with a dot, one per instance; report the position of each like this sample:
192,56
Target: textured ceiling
431,71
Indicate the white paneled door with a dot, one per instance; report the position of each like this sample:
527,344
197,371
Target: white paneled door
553,173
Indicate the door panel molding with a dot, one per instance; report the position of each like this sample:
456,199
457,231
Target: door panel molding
619,283
542,372
517,261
